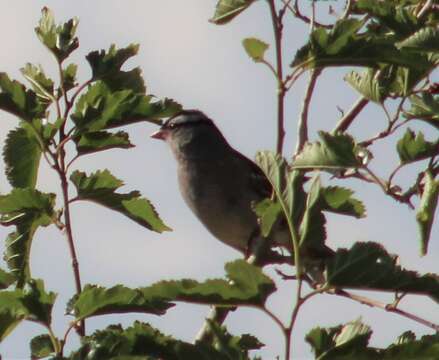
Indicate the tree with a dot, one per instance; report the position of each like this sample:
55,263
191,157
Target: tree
394,43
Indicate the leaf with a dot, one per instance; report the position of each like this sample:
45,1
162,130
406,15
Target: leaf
367,266
367,85
425,39
32,303
17,100
101,108
425,108
345,45
267,211
427,209
143,340
41,346
255,48
248,285
226,10
413,147
101,186
69,77
334,151
22,154
41,84
26,209
101,140
339,200
408,347
96,300
59,39
6,279
347,341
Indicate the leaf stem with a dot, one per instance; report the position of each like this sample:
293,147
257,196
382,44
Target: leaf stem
347,120
281,90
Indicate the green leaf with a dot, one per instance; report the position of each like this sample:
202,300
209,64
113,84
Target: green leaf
17,100
233,347
408,347
367,266
339,200
101,108
143,340
41,346
347,341
59,39
6,279
413,147
334,151
424,40
367,85
101,186
26,209
346,45
267,211
226,10
96,300
427,209
69,77
41,84
425,108
255,48
22,154
248,285
101,140
32,303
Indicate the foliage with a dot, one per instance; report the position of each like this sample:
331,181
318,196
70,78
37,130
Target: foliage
394,49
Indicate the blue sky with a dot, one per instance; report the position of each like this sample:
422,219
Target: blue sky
203,66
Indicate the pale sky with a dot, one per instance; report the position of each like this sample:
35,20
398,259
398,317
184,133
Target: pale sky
203,66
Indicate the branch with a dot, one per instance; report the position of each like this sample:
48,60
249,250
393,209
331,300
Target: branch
296,13
302,129
347,120
387,307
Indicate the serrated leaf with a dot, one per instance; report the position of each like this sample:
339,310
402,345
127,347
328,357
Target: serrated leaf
267,211
22,154
31,303
59,39
6,279
255,48
26,209
427,209
41,84
427,347
413,147
248,285
339,200
367,85
425,39
143,340
226,10
368,266
322,340
106,63
95,300
69,77
101,186
19,101
101,108
101,140
334,151
41,346
424,107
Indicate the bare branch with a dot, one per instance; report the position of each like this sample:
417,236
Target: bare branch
347,120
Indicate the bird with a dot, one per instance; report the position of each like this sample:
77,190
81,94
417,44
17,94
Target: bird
219,184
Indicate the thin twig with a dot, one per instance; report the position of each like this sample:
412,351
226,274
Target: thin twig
302,131
296,13
425,8
350,116
390,308
347,9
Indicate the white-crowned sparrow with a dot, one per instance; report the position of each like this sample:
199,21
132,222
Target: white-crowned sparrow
217,182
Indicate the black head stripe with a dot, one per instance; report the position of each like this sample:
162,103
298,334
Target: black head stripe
187,117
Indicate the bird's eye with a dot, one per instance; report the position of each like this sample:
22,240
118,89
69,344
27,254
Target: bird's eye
171,125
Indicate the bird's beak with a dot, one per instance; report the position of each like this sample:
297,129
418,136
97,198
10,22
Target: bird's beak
159,135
